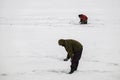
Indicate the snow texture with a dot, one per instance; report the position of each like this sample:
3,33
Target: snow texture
30,30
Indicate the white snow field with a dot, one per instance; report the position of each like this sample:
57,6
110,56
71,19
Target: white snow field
30,30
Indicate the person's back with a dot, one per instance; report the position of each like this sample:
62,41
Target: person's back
76,46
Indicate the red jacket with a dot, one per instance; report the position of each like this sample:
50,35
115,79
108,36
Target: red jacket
83,17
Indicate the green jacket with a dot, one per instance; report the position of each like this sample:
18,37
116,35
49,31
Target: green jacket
71,46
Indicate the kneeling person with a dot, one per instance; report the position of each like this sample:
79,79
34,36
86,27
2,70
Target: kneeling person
83,18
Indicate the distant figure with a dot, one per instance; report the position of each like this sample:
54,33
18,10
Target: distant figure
83,19
74,52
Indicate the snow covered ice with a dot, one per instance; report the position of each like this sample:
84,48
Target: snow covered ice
30,29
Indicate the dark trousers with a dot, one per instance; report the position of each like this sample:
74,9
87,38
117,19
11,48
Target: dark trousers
83,21
75,60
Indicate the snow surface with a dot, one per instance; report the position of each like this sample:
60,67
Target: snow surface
30,29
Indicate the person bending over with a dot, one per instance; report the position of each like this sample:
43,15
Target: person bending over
74,51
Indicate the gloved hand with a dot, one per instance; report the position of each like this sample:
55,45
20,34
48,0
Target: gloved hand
65,59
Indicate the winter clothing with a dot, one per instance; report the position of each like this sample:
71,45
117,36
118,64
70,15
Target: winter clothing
75,60
74,50
83,18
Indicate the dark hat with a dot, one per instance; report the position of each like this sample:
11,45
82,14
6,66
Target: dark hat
61,42
80,15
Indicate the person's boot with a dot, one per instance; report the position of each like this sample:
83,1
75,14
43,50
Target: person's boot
72,70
